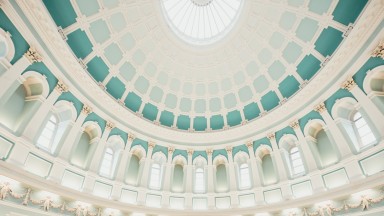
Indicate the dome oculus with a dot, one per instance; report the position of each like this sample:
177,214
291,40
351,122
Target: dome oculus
201,22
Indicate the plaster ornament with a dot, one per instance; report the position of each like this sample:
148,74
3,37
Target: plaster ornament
5,189
329,209
85,211
47,203
26,198
365,202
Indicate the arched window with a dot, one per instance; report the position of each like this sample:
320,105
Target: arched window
296,161
47,136
199,180
363,130
107,163
155,180
245,181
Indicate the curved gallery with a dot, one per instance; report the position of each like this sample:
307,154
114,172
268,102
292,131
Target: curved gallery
107,110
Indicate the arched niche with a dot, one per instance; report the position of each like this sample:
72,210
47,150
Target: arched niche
86,145
320,143
221,174
345,112
22,100
134,169
65,113
7,48
266,165
373,85
112,153
243,170
199,174
178,175
292,154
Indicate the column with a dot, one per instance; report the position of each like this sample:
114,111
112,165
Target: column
168,170
11,75
373,112
306,152
57,171
189,182
167,178
37,120
280,166
232,179
89,183
125,160
97,156
147,165
210,185
141,196
74,134
252,160
353,169
340,142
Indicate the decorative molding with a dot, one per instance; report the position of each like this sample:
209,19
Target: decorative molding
320,108
151,144
33,55
229,149
271,136
109,125
131,137
249,144
171,149
86,109
209,151
190,152
379,50
348,84
61,87
294,124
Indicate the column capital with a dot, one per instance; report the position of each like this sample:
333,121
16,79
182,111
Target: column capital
379,50
171,149
229,149
271,136
209,151
151,144
320,108
86,109
109,125
294,124
131,137
249,144
33,55
61,87
348,84
190,152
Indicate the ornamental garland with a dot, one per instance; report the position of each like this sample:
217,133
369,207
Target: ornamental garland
47,204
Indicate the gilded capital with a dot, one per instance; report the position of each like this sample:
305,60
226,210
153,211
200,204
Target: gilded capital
190,152
294,124
131,137
379,50
110,125
61,87
348,84
271,136
229,149
171,149
86,109
33,56
249,144
209,151
151,144
320,107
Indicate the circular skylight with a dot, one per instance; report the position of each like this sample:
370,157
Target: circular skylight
201,21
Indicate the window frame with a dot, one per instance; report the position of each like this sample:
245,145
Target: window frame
199,184
244,181
109,169
358,130
53,132
295,155
155,184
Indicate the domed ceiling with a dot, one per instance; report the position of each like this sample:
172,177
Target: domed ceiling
271,50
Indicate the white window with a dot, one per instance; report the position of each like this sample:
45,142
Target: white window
245,181
106,165
364,132
296,162
199,180
47,136
155,180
